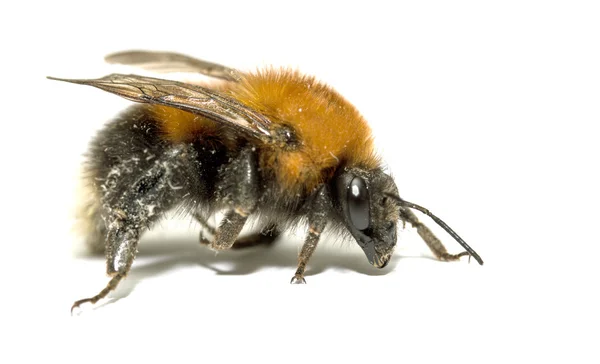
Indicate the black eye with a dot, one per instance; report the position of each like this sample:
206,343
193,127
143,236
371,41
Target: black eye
358,203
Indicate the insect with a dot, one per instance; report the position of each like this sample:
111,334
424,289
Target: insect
272,144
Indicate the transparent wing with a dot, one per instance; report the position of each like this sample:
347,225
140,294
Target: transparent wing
195,99
165,62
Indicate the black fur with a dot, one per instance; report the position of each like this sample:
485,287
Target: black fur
139,177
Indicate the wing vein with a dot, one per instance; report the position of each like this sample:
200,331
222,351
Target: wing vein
215,105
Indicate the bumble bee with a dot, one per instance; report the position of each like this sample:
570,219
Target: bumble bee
273,144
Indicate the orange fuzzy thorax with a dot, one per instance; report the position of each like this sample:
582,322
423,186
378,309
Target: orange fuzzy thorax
330,129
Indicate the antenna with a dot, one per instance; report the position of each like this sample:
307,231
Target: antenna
440,223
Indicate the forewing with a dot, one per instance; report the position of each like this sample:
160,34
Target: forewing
195,99
172,62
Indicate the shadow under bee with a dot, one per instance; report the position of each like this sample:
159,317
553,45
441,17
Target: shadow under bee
160,254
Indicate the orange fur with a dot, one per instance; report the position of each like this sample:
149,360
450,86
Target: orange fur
182,126
330,129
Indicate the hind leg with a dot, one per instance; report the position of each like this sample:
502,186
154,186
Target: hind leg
135,176
136,195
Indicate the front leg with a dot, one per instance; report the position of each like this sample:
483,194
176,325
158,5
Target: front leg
317,220
434,244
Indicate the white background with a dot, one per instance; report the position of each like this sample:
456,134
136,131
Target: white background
485,113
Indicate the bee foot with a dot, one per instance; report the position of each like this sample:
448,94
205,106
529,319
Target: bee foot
453,257
298,279
76,309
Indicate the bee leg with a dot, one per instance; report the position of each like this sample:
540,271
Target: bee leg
266,236
238,188
317,220
134,197
112,284
428,237
128,243
230,228
206,229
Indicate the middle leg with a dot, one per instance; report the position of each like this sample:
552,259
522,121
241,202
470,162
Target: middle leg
237,190
266,236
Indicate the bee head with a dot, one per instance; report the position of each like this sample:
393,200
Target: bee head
367,211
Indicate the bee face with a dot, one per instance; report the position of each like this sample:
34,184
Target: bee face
367,212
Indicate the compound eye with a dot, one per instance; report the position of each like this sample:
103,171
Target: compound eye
358,203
